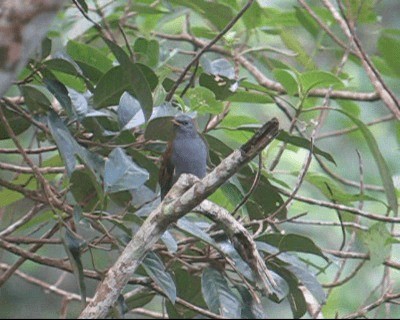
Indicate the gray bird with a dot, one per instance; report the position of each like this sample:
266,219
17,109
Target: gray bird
187,152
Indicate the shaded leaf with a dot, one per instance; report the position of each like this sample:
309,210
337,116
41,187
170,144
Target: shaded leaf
380,161
303,143
251,308
377,240
73,246
36,101
17,123
61,94
156,270
130,113
121,173
293,242
218,295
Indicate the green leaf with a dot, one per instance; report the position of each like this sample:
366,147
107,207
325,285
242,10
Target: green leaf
389,47
73,246
288,80
264,200
293,242
219,85
292,42
251,308
377,239
380,161
46,47
139,300
296,268
89,55
191,293
297,302
17,123
85,189
307,21
147,51
253,17
218,14
303,143
250,97
156,270
319,79
159,126
218,295
121,173
120,79
35,99
203,101
69,148
191,228
61,93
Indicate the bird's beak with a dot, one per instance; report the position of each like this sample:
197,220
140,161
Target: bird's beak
175,122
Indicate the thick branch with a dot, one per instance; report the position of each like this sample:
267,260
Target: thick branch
187,193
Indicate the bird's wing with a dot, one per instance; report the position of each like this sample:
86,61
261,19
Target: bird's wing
166,173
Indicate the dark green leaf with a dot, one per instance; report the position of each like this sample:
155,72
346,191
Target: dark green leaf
61,93
303,143
160,126
139,300
293,242
73,245
85,190
218,295
191,293
121,173
218,14
124,78
17,123
220,86
297,302
46,47
251,308
296,268
156,270
35,99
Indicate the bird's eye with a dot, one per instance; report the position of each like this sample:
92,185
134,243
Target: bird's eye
184,123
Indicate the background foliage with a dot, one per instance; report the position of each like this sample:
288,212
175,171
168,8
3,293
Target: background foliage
85,123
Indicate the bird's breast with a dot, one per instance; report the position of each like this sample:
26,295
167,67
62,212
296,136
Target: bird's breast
189,156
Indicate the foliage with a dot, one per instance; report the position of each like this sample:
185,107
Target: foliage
90,116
